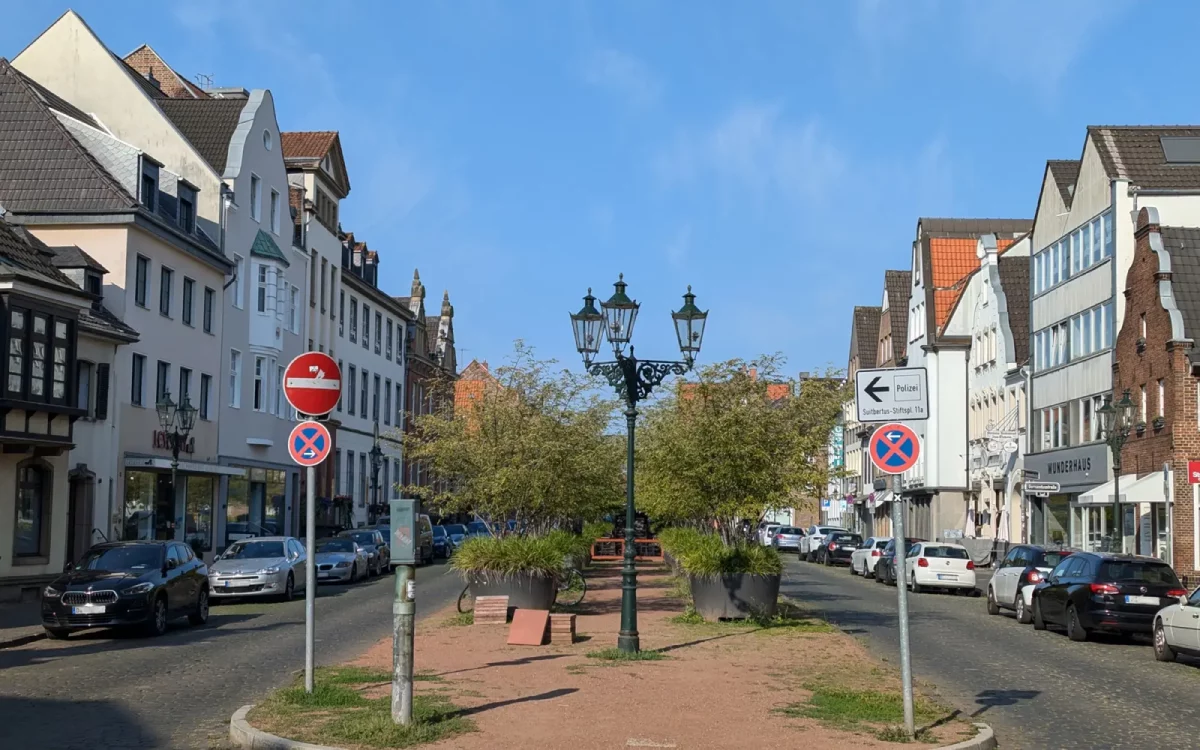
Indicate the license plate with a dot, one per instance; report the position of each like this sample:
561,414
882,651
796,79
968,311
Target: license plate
1142,600
228,584
947,577
88,609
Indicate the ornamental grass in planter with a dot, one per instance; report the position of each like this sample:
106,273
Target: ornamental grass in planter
732,581
676,542
523,568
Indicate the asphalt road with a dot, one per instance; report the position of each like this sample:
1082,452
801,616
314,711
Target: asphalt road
1039,690
103,690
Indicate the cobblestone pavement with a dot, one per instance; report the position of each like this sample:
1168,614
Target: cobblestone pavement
1039,690
102,690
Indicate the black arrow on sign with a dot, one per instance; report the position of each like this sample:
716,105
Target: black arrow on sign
873,387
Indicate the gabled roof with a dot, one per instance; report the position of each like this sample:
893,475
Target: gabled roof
265,247
43,168
144,60
1183,246
432,330
57,103
1014,281
23,255
207,123
1135,153
898,285
1065,173
476,370
948,247
972,228
306,150
73,256
866,335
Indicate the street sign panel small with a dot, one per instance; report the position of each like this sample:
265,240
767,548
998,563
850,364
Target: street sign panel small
309,443
894,448
1038,487
892,393
312,383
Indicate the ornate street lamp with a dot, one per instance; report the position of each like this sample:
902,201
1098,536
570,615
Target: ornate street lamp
177,422
633,379
1116,421
376,455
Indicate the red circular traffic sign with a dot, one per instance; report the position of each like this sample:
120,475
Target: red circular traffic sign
313,383
309,444
894,448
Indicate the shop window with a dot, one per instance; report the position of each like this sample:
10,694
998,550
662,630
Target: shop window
198,515
31,533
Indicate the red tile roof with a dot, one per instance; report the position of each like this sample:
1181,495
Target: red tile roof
307,145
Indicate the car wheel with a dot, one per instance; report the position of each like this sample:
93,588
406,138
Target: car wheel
1039,623
853,567
1075,630
992,607
1022,611
828,560
200,616
916,587
354,572
157,624
58,634
289,588
1162,649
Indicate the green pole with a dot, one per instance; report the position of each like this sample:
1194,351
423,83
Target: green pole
628,640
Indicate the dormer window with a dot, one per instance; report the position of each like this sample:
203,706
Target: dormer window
187,209
149,185
91,283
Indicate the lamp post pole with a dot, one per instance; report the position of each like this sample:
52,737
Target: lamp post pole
376,462
177,421
1115,420
633,379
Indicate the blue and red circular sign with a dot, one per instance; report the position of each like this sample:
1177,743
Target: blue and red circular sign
894,448
310,443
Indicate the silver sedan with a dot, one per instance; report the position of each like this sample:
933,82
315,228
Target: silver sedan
270,566
340,559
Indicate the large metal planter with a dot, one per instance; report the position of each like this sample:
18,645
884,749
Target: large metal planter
524,590
735,596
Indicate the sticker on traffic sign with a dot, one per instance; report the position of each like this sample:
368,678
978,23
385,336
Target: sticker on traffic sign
312,383
309,443
894,448
891,393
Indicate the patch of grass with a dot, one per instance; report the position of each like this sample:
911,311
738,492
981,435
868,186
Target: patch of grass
434,718
897,734
846,707
689,617
350,676
616,654
324,695
461,618
427,677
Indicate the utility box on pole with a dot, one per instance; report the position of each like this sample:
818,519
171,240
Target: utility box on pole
404,531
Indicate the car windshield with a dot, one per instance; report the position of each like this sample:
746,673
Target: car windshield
478,527
881,543
253,550
439,531
788,530
1052,559
1138,571
952,553
845,538
362,537
823,530
336,545
140,558
456,529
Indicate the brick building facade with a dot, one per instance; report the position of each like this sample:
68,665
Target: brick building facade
1156,361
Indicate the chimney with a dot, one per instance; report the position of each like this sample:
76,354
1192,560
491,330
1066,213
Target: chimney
987,252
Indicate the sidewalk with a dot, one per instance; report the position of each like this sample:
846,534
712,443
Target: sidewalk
718,685
20,623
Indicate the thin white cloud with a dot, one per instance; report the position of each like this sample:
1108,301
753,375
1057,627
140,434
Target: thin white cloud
679,246
622,74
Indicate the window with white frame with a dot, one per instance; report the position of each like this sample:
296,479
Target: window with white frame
353,320
239,268
264,276
1056,427
1142,403
275,212
260,396
1074,253
205,396
277,386
1089,418
352,384
294,306
366,321
388,350
281,295
255,197
235,378
1162,399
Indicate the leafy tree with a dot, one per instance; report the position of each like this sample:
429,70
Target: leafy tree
532,446
736,442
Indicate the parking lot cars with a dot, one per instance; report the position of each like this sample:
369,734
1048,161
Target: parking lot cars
837,547
1094,591
786,537
863,559
143,584
340,559
1177,629
272,566
1011,586
374,544
457,533
441,542
939,565
885,566
812,540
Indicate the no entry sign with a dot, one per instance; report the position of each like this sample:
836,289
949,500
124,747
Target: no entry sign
313,383
309,443
894,448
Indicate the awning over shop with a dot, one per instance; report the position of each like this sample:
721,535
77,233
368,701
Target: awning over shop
187,467
1148,489
881,498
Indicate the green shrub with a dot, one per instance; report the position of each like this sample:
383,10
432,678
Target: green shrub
572,546
510,555
677,541
712,557
595,530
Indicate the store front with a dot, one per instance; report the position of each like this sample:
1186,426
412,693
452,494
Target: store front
256,504
1145,530
152,510
1060,519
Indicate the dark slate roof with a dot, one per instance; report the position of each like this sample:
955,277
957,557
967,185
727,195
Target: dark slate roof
73,256
1014,281
432,326
1136,154
1183,245
24,255
207,123
1065,172
866,335
99,319
265,247
42,167
899,290
936,227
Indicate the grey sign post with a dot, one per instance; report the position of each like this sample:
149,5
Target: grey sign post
892,394
404,548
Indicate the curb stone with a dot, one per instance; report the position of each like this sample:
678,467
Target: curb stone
21,640
984,739
245,736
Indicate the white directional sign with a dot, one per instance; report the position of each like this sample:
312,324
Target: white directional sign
894,394
1046,487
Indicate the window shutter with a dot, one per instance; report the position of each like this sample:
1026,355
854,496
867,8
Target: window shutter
102,391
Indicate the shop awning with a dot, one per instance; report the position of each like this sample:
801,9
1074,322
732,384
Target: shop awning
187,467
1148,489
881,498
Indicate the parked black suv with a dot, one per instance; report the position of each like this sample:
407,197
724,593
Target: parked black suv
143,584
885,568
837,546
1100,591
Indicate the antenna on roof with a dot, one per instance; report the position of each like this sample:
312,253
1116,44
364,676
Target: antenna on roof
205,80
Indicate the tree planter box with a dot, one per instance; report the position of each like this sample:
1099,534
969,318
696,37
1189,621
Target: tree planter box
735,596
524,590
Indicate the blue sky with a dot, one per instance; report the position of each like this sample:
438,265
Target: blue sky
775,157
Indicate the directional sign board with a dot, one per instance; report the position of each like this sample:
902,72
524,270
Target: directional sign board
313,383
1047,487
309,444
894,448
893,393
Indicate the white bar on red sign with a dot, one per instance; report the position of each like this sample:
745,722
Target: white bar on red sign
318,383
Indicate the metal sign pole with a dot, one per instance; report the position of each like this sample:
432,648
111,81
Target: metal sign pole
403,616
901,561
310,576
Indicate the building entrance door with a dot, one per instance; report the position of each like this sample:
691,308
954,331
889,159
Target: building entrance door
79,517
